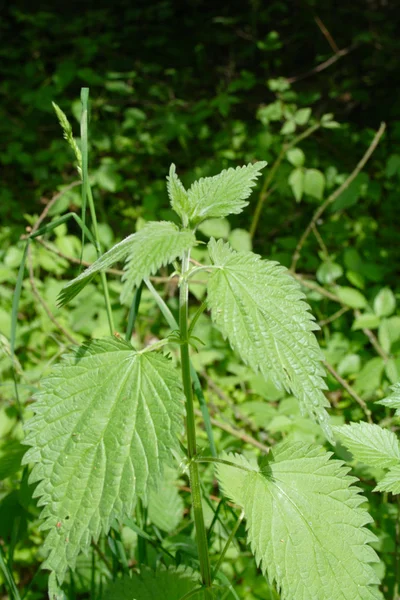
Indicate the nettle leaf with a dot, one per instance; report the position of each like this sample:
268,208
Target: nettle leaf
168,584
260,308
370,444
177,194
393,400
157,244
223,194
165,505
391,481
305,523
105,423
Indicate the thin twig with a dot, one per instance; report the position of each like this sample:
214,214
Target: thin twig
317,288
335,316
350,391
35,291
326,34
320,241
51,203
372,338
241,435
102,556
265,190
324,65
43,302
319,212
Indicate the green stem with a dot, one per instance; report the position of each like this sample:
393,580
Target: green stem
228,543
191,428
169,317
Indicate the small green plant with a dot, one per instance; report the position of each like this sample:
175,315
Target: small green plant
109,419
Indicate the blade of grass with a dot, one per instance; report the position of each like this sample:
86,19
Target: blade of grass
14,321
8,576
87,196
133,311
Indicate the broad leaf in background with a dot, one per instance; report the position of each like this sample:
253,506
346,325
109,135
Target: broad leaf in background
259,307
171,584
384,303
304,522
370,444
105,423
157,244
223,194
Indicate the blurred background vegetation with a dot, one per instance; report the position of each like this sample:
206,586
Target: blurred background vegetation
301,84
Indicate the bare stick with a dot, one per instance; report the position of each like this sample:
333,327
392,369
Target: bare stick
44,304
265,190
241,435
372,338
324,65
335,316
319,212
350,391
51,203
326,34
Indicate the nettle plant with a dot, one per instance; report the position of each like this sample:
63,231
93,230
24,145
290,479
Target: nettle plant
109,420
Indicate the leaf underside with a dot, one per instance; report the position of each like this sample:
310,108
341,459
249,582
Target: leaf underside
104,426
157,244
260,308
305,523
165,584
219,196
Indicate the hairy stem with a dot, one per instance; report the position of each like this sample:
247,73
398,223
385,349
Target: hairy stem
191,429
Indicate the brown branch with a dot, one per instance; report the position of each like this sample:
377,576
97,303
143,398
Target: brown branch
324,65
42,301
335,316
350,391
265,189
51,203
326,34
241,435
372,338
319,212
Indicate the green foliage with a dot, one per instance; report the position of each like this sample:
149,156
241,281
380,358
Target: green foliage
222,195
169,584
261,310
104,424
195,102
155,245
370,444
305,523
